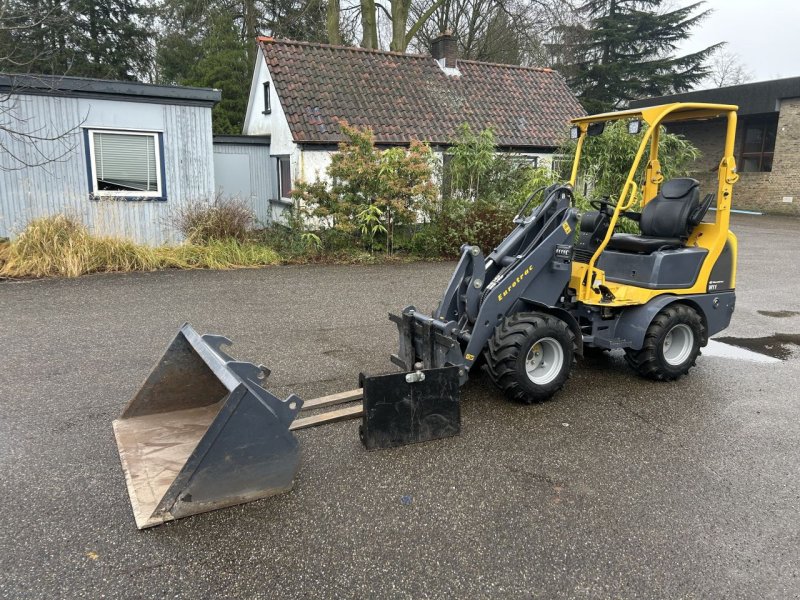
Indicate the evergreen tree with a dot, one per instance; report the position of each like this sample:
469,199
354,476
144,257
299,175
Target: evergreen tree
90,38
303,20
627,51
183,24
222,63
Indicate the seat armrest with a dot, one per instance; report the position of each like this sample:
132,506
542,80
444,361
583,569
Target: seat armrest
632,215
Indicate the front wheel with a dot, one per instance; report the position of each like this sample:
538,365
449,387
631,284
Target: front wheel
671,344
530,356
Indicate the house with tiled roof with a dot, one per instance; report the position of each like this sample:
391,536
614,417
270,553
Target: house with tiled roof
300,92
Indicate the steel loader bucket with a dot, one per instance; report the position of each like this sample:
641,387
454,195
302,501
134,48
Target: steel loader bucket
202,433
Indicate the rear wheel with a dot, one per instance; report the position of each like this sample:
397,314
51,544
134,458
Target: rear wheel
530,356
671,344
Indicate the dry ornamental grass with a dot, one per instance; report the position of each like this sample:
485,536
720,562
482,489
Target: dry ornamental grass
61,246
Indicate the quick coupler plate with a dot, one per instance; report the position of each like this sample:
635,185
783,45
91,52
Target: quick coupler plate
405,408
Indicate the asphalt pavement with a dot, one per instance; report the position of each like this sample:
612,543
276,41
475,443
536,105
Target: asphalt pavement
618,488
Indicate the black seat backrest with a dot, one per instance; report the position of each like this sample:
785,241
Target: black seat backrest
668,214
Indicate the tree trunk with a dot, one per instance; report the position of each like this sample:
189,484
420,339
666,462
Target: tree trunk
249,26
369,25
334,33
399,20
417,24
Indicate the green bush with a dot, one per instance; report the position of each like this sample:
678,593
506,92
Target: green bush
606,159
482,192
475,170
372,194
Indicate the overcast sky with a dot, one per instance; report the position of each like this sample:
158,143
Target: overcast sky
764,33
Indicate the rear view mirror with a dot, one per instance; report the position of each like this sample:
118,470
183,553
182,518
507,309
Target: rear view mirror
596,128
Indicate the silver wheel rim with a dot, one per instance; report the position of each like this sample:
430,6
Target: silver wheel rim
678,344
544,361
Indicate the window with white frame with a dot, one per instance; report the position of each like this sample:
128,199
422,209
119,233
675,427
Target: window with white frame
125,164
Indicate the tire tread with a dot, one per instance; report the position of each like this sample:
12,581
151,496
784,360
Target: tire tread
646,361
503,350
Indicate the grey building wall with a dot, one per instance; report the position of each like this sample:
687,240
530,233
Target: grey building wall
244,169
62,186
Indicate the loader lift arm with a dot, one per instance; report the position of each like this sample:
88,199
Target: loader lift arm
527,268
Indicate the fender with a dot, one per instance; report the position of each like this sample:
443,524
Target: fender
525,305
715,310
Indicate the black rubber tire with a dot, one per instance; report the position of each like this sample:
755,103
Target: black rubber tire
649,362
509,346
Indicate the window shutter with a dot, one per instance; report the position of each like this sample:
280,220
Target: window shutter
125,161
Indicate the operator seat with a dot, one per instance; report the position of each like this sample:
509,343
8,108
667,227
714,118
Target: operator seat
667,220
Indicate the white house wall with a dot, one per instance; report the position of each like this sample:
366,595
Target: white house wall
313,164
62,186
310,165
273,124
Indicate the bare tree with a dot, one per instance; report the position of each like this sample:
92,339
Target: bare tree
25,143
332,22
506,31
374,17
726,69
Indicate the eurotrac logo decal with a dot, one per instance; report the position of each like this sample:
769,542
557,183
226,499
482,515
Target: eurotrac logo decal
522,275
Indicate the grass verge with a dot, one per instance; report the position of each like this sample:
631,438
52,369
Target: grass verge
60,246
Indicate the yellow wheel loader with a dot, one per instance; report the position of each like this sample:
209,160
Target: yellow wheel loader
562,282
203,432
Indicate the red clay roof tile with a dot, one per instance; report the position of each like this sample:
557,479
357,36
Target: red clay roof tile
406,96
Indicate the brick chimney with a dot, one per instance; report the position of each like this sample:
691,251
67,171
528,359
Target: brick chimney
443,49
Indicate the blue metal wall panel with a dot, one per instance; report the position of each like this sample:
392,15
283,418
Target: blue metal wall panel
257,167
62,186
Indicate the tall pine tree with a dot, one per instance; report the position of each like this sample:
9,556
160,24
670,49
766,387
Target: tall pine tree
211,45
90,38
222,63
626,50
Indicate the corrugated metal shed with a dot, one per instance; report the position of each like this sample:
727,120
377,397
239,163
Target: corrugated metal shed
244,169
66,108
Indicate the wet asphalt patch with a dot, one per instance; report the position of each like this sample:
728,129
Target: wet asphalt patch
780,346
779,314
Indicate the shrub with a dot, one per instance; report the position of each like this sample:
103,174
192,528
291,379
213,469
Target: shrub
475,170
371,194
221,219
482,192
606,159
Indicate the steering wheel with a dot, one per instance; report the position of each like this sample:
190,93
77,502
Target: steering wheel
604,205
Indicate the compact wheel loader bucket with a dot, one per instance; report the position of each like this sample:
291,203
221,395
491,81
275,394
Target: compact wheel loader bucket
202,433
